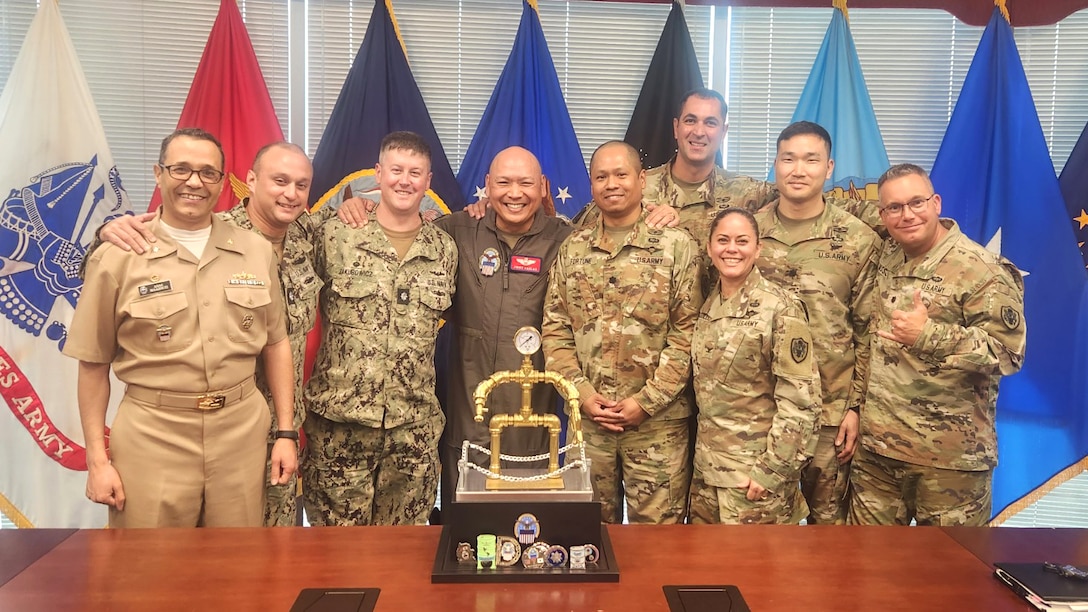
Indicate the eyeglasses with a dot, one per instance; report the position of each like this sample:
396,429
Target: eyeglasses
179,172
916,206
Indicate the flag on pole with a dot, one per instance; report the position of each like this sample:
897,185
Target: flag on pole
996,178
59,184
527,109
835,96
379,96
229,98
674,71
1074,184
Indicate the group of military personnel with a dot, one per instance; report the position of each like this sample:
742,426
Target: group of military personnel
895,330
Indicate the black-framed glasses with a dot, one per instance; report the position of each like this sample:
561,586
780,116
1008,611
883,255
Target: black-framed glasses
916,205
180,172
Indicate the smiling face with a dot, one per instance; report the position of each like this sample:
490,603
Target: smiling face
279,188
188,204
404,176
699,130
515,189
733,248
917,231
801,167
617,181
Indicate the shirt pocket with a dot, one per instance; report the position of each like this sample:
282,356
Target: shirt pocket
356,302
163,320
741,365
246,314
301,287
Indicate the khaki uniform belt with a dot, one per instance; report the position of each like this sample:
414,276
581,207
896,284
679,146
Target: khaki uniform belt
211,400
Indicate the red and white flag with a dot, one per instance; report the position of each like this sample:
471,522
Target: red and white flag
229,98
58,183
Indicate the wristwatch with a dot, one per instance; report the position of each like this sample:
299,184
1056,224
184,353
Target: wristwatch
290,434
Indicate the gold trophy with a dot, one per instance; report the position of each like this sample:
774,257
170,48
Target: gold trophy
527,341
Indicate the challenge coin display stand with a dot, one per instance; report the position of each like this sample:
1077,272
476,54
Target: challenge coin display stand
525,525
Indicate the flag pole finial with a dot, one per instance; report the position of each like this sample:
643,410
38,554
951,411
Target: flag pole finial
841,5
1000,4
396,27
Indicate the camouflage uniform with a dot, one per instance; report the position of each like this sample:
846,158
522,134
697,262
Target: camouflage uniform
758,392
929,414
618,321
832,271
300,289
374,425
722,190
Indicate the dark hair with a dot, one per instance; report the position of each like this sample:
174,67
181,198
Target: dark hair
405,141
197,134
632,152
706,94
805,128
733,210
279,144
901,170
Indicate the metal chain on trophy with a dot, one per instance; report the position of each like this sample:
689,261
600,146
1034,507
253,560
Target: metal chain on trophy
577,463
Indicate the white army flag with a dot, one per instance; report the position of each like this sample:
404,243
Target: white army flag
58,183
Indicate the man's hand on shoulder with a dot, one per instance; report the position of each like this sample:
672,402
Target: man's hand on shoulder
129,232
658,216
355,211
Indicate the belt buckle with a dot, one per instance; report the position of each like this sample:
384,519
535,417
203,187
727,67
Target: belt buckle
211,402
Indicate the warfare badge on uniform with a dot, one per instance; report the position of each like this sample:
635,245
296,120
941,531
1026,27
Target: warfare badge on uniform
799,349
164,332
247,321
489,262
1010,317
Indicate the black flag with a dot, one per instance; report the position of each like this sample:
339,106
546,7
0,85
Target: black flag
674,71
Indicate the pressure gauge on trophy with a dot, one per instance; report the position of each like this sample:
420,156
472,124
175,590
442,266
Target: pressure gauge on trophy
527,340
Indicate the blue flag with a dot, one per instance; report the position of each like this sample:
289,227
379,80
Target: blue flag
835,96
996,178
1074,184
379,96
527,109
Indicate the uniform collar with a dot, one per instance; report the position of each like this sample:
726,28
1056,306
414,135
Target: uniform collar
926,267
771,226
740,305
641,235
716,181
372,238
221,238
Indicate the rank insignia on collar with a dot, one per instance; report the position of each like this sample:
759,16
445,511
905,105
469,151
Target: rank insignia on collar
799,349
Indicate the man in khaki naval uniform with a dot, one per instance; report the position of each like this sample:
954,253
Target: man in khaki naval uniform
182,325
827,257
621,307
279,187
949,322
374,421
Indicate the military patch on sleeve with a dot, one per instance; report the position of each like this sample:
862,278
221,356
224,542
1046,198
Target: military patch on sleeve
1010,317
799,349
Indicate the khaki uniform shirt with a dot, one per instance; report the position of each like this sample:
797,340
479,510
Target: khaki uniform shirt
166,320
757,386
934,403
618,318
380,318
832,270
300,290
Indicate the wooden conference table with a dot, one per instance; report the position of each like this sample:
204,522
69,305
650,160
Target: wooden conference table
776,568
